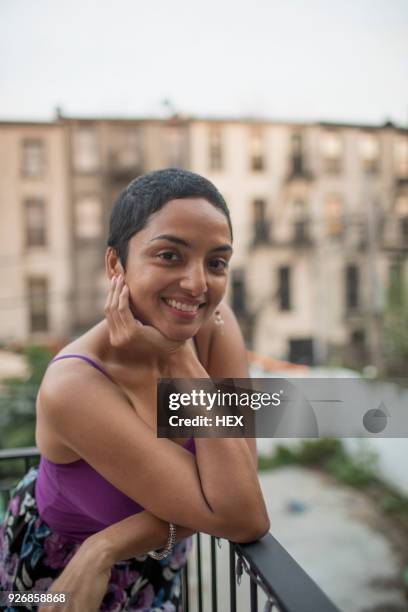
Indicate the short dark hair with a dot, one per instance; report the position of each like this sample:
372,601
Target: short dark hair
147,194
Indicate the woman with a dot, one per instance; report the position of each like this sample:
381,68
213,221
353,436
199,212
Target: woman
107,488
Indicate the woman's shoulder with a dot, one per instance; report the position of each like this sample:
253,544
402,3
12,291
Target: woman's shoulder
79,355
75,366
67,387
73,378
61,376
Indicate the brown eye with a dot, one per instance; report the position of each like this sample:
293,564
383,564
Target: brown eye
218,265
168,256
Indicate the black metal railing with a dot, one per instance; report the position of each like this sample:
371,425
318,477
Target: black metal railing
14,463
273,574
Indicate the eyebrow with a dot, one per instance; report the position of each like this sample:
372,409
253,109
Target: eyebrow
181,242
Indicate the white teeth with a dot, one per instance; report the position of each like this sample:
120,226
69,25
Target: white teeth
181,306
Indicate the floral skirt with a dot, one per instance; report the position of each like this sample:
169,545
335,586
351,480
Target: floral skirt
32,556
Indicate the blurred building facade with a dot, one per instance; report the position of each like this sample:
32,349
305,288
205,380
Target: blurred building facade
35,234
320,213
104,156
320,216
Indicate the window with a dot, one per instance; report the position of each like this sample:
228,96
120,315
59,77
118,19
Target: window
370,153
404,230
85,149
331,149
257,162
401,156
401,207
38,304
296,155
302,351
301,223
358,337
238,292
301,232
261,225
33,161
175,147
352,287
333,215
284,288
357,349
88,221
35,222
395,284
127,150
215,149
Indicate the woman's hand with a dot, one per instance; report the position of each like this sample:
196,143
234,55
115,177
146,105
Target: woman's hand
130,335
126,332
85,580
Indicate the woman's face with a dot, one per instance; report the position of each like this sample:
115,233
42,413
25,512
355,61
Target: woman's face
177,267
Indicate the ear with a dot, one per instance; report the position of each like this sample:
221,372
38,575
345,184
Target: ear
112,263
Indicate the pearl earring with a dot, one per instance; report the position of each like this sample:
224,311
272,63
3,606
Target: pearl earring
219,321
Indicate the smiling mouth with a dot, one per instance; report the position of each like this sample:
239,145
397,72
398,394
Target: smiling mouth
182,306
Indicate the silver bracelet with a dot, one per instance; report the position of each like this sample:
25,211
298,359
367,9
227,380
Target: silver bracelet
171,540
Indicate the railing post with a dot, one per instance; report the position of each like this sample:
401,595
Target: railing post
254,596
26,464
184,590
199,575
233,592
213,576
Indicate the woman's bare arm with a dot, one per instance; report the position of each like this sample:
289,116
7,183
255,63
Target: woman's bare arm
134,536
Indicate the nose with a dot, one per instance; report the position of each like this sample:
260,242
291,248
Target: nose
194,281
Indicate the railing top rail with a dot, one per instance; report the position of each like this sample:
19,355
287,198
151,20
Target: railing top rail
19,453
286,581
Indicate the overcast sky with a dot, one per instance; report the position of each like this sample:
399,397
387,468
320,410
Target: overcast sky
343,60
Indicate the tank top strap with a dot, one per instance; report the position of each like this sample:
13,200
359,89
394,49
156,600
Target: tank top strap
89,360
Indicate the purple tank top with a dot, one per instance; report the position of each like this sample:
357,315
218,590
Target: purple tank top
74,499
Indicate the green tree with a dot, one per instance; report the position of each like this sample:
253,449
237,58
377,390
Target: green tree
17,401
396,319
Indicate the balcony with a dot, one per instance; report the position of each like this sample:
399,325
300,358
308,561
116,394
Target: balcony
270,570
403,231
401,181
122,168
301,234
261,233
298,169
